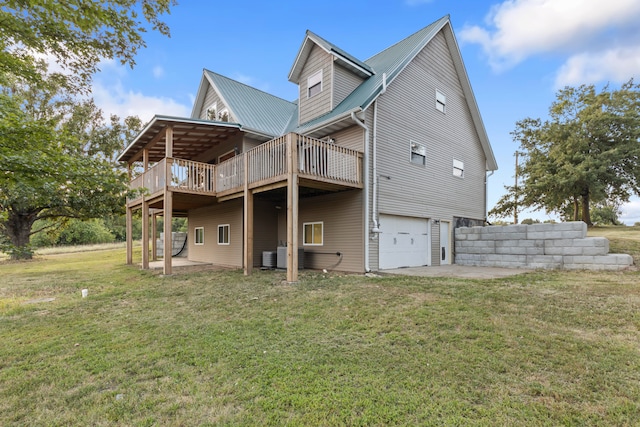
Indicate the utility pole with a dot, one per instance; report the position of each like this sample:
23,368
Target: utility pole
515,196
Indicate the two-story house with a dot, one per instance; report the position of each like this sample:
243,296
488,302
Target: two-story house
370,169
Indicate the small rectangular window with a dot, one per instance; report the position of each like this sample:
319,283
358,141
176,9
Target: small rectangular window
223,234
418,153
458,168
312,233
199,236
314,84
212,112
441,101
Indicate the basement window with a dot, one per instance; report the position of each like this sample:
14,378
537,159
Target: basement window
212,112
441,101
199,236
314,84
458,168
223,234
313,233
418,153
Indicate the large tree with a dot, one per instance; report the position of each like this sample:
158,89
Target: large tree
56,161
588,151
77,34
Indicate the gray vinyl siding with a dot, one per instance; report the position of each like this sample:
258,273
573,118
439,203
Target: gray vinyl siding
210,98
319,104
407,112
341,214
344,82
210,217
352,138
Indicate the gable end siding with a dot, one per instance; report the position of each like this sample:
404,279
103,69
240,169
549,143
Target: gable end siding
344,82
407,112
210,98
319,104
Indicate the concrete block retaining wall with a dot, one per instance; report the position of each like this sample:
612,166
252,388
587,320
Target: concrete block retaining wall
177,242
548,246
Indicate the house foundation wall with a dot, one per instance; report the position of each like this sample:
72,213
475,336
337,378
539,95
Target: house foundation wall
546,246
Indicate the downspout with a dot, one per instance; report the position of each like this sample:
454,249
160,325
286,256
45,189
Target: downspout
366,190
376,225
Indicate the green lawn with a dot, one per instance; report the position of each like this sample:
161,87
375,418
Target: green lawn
218,348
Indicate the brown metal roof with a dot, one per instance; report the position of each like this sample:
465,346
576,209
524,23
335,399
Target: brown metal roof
190,138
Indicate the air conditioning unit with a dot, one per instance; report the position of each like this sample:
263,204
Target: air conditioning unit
282,257
269,259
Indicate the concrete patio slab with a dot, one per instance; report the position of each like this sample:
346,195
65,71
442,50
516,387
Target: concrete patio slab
455,270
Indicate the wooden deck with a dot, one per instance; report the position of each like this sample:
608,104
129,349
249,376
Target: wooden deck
318,164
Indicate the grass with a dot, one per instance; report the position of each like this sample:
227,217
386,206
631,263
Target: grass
218,348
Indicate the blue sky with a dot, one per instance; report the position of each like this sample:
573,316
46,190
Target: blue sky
518,53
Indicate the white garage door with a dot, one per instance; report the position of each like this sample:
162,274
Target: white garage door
404,242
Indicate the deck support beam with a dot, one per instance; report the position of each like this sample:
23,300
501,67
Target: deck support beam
145,234
292,209
129,235
248,222
154,237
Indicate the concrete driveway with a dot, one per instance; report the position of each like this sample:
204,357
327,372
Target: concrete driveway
455,270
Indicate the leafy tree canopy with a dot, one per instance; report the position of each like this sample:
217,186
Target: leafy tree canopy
588,151
77,33
56,161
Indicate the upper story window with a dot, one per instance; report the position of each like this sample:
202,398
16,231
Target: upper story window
212,112
441,101
314,84
223,115
418,153
458,168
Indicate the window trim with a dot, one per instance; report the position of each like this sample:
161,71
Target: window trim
312,83
458,165
304,233
228,227
423,155
195,236
213,107
441,102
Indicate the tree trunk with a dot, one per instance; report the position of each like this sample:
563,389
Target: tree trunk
18,229
576,209
586,215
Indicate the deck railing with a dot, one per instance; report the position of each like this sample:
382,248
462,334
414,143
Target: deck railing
230,174
193,176
328,161
266,163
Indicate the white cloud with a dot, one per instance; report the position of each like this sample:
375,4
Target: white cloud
517,29
114,99
616,64
630,212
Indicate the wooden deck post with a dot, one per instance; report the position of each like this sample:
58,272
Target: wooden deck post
154,237
168,219
129,235
248,220
145,234
168,204
292,208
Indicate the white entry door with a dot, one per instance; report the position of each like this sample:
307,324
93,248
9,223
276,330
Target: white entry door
445,247
404,242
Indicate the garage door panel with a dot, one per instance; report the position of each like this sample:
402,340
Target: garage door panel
404,242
